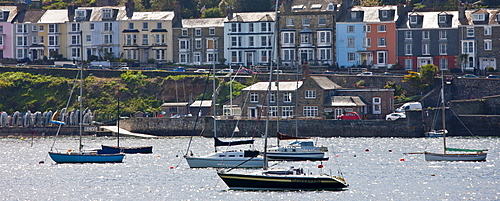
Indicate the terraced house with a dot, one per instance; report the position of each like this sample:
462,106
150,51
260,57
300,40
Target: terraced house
28,35
7,14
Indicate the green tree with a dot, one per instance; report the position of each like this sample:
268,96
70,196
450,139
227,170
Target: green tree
370,3
212,13
428,72
252,5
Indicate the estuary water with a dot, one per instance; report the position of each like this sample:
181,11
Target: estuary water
375,168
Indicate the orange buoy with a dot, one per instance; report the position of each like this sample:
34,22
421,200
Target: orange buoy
320,166
402,159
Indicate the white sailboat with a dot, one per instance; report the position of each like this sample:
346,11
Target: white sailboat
226,158
459,154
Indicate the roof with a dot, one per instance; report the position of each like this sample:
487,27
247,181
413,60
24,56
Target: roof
252,17
174,104
97,14
491,12
347,101
157,15
203,22
12,13
431,19
312,5
201,103
283,86
28,16
371,13
325,83
54,16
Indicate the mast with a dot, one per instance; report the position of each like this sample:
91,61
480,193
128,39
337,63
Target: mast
443,119
81,93
213,102
275,53
118,121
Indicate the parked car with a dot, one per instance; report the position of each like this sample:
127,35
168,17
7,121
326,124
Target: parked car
469,76
395,116
227,70
387,74
124,68
366,73
98,67
409,106
246,71
149,68
178,69
201,71
20,65
492,76
277,71
69,66
349,116
329,73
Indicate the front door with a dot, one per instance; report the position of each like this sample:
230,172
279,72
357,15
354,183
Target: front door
250,59
252,112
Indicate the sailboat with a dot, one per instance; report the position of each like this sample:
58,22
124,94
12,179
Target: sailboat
290,179
464,154
229,158
81,156
105,149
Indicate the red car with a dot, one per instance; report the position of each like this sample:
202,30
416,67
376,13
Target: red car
349,116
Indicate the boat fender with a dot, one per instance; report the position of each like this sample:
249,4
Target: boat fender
367,150
402,159
320,166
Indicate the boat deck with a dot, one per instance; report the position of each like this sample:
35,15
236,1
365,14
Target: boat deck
124,132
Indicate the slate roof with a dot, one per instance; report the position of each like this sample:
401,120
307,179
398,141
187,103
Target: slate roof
12,13
54,16
97,12
203,22
492,15
252,17
157,15
430,19
371,14
174,104
325,83
283,85
312,5
30,15
199,103
347,101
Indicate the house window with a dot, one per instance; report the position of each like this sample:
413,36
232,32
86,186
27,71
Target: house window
145,39
130,25
211,31
367,42
145,26
80,13
478,17
265,41
408,35
197,57
184,44
108,26
197,32
310,111
322,21
381,42
106,14
324,37
306,21
211,44
350,42
265,27
487,30
264,54
184,32
197,43
376,101
384,13
251,41
250,28
425,49
288,38
33,28
350,29
442,19
324,54
34,40
108,39
289,22
443,64
305,38
351,57
75,39
381,28
443,49
235,41
425,35
287,97
468,47
408,49
470,32
272,97
254,97
382,57
91,26
53,28
40,29
273,111
487,44
235,27
286,111
443,34
183,58
408,64
310,94
366,28
413,19
354,15
288,55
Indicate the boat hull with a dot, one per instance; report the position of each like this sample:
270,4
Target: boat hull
86,158
291,156
206,162
127,150
455,157
281,182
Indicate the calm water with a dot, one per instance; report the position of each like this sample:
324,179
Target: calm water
374,175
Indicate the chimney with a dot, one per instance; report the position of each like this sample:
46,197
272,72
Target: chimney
305,71
21,7
288,6
177,21
229,13
71,11
129,8
461,14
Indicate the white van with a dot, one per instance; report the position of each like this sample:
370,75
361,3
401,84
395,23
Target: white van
409,106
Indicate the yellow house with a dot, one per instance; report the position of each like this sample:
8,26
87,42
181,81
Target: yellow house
52,33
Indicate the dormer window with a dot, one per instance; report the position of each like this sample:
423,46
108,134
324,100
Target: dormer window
297,7
1,14
353,15
442,18
413,19
80,13
316,6
384,14
330,7
498,17
478,17
106,14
